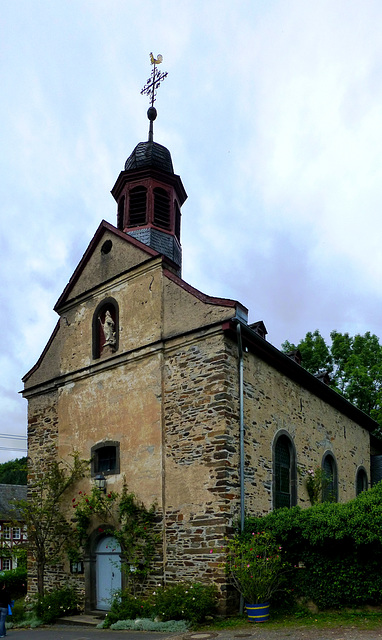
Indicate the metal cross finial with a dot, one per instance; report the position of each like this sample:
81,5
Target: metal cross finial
152,84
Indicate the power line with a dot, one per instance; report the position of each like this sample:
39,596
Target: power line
3,435
11,449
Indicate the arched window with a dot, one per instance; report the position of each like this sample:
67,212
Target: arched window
105,328
330,480
137,206
361,483
284,472
161,208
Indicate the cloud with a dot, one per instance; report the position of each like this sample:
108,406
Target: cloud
271,111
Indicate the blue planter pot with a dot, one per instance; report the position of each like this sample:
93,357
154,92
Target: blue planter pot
258,612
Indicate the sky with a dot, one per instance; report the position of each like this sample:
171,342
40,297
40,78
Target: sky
272,112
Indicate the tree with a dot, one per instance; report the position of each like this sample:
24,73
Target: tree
354,364
48,528
14,471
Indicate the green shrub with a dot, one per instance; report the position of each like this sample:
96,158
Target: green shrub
256,566
15,581
337,546
125,606
54,605
186,601
18,612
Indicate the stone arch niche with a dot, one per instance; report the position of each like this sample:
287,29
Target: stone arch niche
105,329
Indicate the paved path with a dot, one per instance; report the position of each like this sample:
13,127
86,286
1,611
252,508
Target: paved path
80,633
256,632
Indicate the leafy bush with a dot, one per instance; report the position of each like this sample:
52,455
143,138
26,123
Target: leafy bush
192,602
18,612
125,606
256,566
62,602
338,546
185,601
15,581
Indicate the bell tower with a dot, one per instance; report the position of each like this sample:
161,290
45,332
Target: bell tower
149,195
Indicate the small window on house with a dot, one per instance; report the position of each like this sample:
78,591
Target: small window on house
7,532
161,208
105,458
16,533
137,206
284,473
105,328
361,482
6,564
329,481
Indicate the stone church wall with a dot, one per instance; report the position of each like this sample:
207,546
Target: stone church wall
43,436
201,464
275,403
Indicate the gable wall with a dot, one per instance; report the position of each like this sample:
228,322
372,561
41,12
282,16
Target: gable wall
101,267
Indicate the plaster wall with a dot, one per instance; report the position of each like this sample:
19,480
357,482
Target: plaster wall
120,404
184,311
102,267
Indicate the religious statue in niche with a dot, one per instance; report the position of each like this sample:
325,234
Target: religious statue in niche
108,330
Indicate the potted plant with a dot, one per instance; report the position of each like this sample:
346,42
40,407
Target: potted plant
257,570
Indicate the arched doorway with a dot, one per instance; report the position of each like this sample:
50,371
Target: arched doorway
108,571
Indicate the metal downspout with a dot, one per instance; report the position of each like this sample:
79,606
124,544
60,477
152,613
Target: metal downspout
241,428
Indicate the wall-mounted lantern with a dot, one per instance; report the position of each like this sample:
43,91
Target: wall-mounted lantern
100,482
76,567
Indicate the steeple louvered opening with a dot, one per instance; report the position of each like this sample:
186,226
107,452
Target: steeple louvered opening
177,220
137,206
161,209
121,212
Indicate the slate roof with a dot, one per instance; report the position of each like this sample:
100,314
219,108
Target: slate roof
150,154
8,493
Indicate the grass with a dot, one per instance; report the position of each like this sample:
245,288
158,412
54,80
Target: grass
300,618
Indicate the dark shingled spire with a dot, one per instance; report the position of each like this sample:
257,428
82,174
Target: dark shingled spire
150,154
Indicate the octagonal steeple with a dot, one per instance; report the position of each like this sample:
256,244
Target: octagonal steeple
149,194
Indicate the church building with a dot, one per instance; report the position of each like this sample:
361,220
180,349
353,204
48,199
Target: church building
173,390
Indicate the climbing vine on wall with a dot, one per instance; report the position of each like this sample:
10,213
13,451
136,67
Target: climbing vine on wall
123,516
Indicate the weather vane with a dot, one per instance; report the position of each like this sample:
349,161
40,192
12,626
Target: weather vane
150,89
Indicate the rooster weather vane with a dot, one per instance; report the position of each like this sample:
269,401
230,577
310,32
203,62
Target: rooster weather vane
150,89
